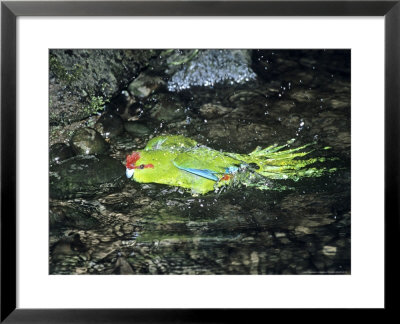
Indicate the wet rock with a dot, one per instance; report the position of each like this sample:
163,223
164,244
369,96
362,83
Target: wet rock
211,67
213,111
81,270
63,134
109,125
70,244
175,58
329,250
168,109
60,152
85,176
136,128
340,103
123,105
301,230
82,81
71,216
121,201
127,228
68,255
303,95
122,267
245,97
87,141
144,85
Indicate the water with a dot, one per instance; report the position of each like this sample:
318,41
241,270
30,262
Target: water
159,229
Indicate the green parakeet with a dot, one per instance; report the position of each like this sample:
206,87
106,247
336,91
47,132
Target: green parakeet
179,161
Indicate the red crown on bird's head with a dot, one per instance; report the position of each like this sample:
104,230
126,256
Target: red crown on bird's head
132,159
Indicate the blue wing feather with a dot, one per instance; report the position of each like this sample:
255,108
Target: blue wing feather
205,173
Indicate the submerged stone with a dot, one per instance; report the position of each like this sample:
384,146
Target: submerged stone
214,111
136,128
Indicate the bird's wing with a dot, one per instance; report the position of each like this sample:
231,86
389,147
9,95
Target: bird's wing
205,173
198,163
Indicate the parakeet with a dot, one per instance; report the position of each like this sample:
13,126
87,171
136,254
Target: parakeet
176,160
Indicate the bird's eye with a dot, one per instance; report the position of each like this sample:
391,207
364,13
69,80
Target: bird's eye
141,166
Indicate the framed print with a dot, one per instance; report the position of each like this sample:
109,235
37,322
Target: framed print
162,159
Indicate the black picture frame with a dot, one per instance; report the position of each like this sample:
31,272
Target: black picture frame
10,10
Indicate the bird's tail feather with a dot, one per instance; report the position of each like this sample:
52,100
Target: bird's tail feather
282,162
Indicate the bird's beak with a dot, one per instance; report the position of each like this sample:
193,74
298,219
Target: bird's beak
129,173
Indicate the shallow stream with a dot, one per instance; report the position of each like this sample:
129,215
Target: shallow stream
114,225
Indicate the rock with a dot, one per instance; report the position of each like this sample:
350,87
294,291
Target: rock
167,108
246,98
85,176
60,152
123,105
81,81
64,215
211,111
301,230
87,141
303,95
81,270
68,245
127,229
329,250
210,67
109,125
136,128
122,267
144,85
